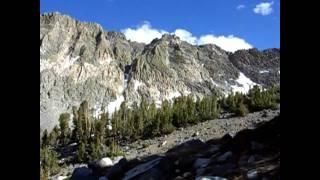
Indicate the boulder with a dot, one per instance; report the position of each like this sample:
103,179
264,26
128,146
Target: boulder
252,174
141,168
256,145
201,163
152,174
251,159
220,170
118,170
225,156
82,173
105,162
116,159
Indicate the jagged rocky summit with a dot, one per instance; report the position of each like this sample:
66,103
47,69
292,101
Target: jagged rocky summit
82,61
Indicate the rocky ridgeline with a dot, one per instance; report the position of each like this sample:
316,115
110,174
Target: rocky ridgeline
250,154
82,61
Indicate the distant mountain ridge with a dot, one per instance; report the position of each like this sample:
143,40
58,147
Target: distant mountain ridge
81,61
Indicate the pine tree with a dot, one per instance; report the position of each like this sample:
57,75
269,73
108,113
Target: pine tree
242,110
178,117
64,128
156,125
49,162
166,126
214,109
191,114
129,125
262,99
85,120
95,150
114,149
152,111
100,128
81,153
53,136
77,128
45,139
204,109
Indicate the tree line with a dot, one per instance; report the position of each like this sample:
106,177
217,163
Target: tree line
98,137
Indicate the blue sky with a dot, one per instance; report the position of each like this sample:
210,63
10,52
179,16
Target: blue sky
230,23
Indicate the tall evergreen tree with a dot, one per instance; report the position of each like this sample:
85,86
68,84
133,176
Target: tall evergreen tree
81,152
48,162
214,109
45,141
77,128
54,135
166,118
64,128
85,120
191,113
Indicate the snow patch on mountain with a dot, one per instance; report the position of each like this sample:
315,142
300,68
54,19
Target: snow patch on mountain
173,95
137,84
244,84
115,105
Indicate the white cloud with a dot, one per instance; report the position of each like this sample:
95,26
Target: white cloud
185,36
228,43
241,6
263,8
145,33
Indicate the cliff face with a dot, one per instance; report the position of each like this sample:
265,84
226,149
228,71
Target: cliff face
81,61
262,67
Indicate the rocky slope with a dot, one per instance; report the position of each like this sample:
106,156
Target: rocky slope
82,61
205,131
249,154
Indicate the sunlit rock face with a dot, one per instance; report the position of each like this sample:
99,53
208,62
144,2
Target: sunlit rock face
82,61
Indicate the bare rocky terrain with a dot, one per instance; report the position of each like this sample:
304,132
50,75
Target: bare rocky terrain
202,132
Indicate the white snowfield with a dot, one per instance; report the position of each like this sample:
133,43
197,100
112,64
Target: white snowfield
245,84
173,95
137,84
115,105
